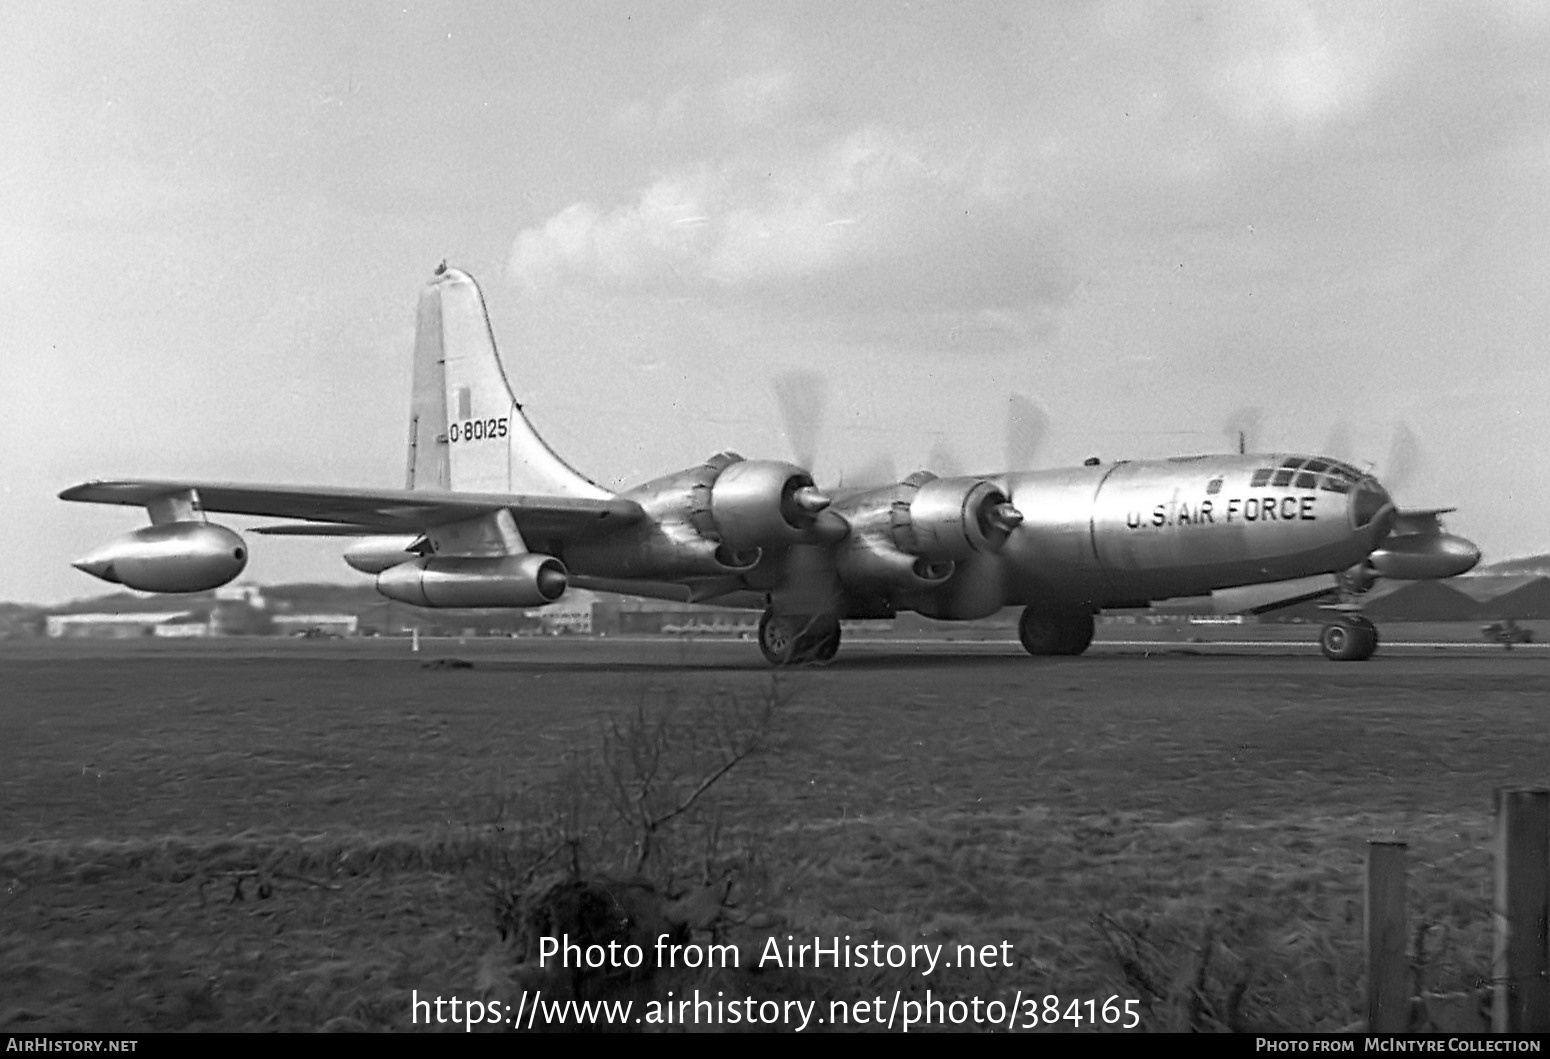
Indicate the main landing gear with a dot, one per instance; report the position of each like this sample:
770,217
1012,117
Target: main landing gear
1055,630
798,639
1349,638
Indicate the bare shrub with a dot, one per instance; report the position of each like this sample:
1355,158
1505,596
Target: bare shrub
626,845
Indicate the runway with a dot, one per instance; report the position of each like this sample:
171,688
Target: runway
953,647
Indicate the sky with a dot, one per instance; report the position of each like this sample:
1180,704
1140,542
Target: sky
1144,225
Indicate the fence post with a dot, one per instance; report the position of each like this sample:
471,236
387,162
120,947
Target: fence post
1521,970
1388,972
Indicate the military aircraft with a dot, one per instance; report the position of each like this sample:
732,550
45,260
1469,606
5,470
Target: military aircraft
490,516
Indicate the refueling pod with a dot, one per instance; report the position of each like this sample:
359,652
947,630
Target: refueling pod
170,557
1423,557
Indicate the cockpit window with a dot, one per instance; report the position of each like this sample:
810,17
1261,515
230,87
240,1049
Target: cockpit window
1366,505
1330,475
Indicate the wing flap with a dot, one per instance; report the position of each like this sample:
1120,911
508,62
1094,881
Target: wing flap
316,529
374,510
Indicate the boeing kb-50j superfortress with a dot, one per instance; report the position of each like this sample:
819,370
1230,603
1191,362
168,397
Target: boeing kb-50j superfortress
491,517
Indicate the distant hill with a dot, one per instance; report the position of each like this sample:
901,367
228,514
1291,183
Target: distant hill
1528,565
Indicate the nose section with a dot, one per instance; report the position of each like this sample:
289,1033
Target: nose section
1371,504
97,566
1464,554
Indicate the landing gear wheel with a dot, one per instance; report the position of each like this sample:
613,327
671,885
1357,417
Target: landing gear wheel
1046,631
1370,630
776,635
1350,638
828,647
798,639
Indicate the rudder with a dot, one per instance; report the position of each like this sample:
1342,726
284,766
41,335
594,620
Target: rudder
467,431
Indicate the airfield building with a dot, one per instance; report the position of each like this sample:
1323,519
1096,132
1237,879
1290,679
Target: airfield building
113,626
315,624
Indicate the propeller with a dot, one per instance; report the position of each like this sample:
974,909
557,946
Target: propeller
803,397
1404,458
941,459
1245,428
803,400
1397,469
1026,426
1339,443
874,474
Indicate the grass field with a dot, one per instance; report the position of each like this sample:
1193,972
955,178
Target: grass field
296,835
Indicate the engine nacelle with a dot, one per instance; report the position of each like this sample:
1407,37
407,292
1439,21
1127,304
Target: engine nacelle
952,518
871,561
171,557
1359,578
763,504
738,505
909,536
1424,556
372,555
476,581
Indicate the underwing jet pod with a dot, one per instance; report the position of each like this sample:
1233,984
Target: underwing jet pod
490,516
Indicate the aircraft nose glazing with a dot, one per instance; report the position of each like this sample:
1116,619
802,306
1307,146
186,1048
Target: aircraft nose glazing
1369,502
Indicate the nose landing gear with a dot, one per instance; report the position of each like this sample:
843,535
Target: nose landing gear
1349,638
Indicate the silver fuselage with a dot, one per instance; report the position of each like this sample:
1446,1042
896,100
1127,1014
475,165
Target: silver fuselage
1128,533
1110,535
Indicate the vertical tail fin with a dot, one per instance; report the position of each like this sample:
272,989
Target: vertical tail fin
467,432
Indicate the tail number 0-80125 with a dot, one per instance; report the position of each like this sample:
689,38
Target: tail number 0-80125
476,430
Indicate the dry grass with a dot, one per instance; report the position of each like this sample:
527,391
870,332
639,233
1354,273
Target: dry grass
297,842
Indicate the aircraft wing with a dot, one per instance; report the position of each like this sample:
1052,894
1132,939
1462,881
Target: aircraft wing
1420,520
374,510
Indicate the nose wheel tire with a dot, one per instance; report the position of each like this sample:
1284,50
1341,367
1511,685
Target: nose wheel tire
798,639
1046,631
1351,638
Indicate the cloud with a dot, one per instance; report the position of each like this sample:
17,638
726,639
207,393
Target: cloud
756,99
1290,64
875,219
